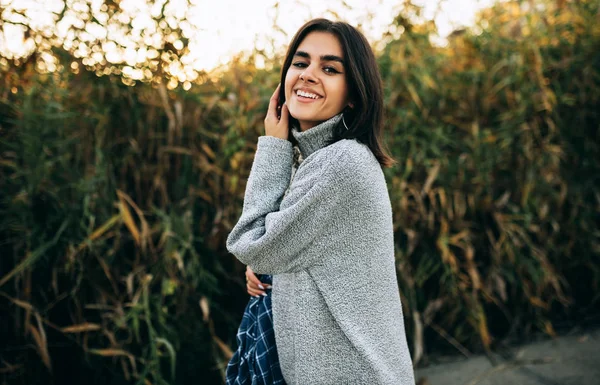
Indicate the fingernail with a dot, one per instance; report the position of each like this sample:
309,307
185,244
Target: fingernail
264,294
261,286
257,296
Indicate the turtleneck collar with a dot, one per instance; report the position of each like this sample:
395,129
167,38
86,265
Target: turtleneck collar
315,137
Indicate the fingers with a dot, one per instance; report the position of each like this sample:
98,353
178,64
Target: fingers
285,114
254,286
272,111
275,95
254,292
252,279
276,122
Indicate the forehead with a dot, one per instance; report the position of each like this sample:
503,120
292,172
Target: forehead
321,43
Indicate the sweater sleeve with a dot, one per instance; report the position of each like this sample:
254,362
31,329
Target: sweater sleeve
271,235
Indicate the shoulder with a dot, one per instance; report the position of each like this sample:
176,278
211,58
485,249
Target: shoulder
353,149
353,157
346,161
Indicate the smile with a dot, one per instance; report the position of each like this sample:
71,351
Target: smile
306,94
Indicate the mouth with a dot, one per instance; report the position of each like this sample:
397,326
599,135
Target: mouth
305,95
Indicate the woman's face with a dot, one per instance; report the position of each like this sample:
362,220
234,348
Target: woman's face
315,84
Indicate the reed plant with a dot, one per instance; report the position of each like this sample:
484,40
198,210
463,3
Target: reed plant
116,200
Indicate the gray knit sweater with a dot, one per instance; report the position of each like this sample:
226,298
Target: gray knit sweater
329,244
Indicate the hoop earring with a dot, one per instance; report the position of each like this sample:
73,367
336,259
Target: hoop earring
344,121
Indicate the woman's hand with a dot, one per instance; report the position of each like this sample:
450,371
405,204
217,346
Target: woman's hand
253,285
276,122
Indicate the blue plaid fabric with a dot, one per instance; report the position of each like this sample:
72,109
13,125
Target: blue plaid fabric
255,361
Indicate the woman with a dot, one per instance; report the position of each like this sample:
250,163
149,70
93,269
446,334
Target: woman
328,241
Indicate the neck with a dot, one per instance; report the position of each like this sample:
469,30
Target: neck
311,139
307,126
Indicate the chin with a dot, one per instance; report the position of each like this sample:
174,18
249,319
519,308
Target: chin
300,116
306,116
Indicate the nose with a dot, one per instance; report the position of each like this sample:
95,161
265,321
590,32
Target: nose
308,75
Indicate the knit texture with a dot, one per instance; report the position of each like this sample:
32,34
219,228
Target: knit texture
329,244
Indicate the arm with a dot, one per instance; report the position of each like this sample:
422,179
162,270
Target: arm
271,235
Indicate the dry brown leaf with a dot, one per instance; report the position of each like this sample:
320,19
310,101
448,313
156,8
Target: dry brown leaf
176,255
500,287
431,309
224,348
40,341
84,327
444,207
144,238
208,151
472,268
128,219
102,229
23,304
418,338
204,195
205,309
549,329
175,150
483,328
126,373
9,368
431,177
109,352
414,95
536,301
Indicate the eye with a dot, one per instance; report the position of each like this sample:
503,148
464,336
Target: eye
331,70
300,64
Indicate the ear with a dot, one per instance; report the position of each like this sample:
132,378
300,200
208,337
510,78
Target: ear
351,105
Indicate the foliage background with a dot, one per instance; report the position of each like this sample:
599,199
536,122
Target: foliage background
117,196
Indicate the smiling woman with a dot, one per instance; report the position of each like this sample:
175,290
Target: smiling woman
327,235
315,84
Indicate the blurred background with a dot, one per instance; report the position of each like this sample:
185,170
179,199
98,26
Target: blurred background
127,132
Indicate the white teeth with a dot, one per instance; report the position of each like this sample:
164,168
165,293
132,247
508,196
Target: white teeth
307,94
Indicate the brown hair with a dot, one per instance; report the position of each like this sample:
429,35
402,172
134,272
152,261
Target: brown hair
365,119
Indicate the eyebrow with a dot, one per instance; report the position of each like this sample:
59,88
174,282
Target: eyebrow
323,57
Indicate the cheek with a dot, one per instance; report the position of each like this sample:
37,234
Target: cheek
289,84
341,91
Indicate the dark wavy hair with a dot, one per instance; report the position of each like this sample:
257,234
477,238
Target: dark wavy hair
365,119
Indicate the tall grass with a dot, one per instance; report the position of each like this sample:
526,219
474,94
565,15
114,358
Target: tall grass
116,200
494,226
